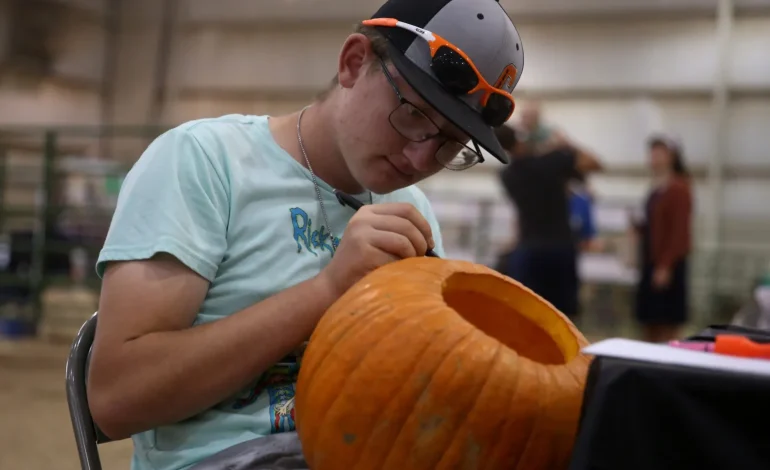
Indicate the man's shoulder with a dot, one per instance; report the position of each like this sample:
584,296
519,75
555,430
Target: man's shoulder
222,128
217,140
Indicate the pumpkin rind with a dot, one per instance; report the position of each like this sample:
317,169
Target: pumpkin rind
394,378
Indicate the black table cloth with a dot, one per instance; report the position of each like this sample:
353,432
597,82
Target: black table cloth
647,415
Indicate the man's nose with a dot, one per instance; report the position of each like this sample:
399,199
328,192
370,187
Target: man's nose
422,155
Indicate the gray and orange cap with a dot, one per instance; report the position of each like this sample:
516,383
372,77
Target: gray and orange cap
482,30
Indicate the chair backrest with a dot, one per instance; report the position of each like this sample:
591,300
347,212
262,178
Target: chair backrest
87,434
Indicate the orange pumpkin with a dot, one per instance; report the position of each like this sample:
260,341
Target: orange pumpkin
437,364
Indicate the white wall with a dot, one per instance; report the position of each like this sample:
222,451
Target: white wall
72,95
608,83
292,11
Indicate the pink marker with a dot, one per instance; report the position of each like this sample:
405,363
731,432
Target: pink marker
703,346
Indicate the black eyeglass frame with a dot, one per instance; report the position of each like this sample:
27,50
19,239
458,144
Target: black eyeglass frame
403,101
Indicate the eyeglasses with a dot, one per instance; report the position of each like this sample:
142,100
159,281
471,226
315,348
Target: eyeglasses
456,71
415,126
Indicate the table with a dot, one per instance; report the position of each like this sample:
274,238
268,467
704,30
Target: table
653,407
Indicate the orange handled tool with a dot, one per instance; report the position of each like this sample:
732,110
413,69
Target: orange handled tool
734,345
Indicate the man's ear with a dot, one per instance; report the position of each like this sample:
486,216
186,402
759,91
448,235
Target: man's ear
355,58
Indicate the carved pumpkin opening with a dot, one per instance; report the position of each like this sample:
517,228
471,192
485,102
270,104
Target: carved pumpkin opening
511,315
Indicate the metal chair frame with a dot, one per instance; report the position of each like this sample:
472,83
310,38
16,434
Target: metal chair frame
87,434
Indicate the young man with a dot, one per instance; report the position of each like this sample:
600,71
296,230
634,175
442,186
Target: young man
227,243
545,255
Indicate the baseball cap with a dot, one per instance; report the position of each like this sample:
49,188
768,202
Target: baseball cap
482,30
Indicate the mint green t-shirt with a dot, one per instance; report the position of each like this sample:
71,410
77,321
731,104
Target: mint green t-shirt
225,199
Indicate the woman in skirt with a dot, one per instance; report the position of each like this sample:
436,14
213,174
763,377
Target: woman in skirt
665,239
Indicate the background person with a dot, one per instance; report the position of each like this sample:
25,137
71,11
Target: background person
537,134
582,220
544,257
664,236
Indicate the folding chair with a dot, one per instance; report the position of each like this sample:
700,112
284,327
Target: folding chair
87,434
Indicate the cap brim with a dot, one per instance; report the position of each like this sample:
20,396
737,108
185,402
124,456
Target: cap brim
453,109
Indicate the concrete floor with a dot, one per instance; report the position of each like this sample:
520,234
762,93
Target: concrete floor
35,429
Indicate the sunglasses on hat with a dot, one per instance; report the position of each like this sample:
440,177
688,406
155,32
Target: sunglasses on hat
456,71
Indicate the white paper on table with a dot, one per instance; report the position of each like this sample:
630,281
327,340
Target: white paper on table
663,354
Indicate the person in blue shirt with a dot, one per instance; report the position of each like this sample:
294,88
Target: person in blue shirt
581,213
581,210
228,243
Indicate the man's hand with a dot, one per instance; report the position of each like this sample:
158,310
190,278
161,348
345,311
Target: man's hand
376,235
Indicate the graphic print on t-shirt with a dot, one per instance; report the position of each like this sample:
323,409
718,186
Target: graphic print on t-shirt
281,408
279,375
279,383
311,239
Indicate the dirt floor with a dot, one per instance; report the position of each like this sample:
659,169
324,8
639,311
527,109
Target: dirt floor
35,429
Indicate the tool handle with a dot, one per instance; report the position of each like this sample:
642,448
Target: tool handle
734,345
348,200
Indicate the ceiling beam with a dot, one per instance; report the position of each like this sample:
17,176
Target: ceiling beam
278,20
697,172
294,94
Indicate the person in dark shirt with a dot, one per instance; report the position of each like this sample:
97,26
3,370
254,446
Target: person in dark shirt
545,255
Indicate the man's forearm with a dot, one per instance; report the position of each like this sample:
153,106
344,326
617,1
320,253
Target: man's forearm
166,377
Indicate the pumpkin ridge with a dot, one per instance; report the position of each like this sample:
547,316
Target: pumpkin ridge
479,335
563,410
407,323
437,334
321,356
461,425
330,322
544,392
305,379
572,373
488,459
514,393
433,373
527,374
354,295
446,353
571,376
563,458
